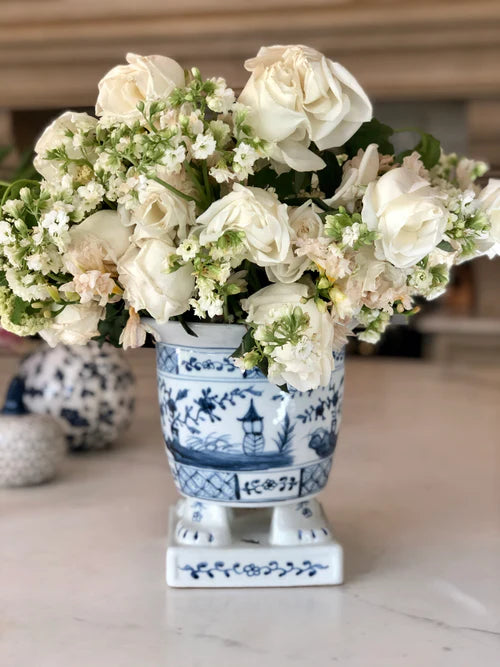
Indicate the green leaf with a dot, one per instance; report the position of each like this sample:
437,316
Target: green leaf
186,327
286,185
246,345
372,132
331,176
447,247
429,149
18,310
111,327
4,151
25,168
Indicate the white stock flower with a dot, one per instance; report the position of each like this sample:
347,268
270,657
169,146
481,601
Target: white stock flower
145,78
148,286
259,215
75,325
489,201
306,224
296,96
357,174
408,214
305,363
159,213
90,285
222,99
56,135
374,283
204,146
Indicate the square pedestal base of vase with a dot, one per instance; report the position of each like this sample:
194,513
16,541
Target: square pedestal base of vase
250,560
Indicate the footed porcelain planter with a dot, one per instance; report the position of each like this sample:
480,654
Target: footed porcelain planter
234,440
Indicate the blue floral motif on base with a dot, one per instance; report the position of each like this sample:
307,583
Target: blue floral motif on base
306,568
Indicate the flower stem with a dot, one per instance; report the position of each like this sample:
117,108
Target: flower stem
208,188
180,194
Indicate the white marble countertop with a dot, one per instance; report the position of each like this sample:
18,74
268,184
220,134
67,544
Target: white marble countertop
414,498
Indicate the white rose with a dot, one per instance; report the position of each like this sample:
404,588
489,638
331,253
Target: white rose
304,364
100,240
159,214
55,135
409,215
357,174
75,325
296,96
259,214
306,223
148,286
144,78
489,201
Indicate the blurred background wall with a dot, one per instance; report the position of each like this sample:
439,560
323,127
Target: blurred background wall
432,64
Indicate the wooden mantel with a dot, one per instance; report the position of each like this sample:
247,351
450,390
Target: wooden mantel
53,52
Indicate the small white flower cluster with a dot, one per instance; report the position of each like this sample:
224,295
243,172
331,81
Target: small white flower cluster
271,210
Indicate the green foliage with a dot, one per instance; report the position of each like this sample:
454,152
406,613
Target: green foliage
372,132
287,185
446,246
111,327
331,176
429,149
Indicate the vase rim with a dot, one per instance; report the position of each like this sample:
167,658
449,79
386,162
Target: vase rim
209,335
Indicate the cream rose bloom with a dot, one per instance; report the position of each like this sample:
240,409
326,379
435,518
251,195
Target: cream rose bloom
144,78
307,363
489,201
55,135
259,214
143,273
408,214
159,214
97,243
297,95
306,224
357,174
76,324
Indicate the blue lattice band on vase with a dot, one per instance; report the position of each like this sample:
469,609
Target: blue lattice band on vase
249,487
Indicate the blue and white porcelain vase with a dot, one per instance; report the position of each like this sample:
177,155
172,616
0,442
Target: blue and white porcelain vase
235,440
232,437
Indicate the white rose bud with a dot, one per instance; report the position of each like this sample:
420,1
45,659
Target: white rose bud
145,78
296,96
409,215
143,272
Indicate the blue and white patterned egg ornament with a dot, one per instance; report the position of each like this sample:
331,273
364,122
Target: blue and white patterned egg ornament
32,447
91,389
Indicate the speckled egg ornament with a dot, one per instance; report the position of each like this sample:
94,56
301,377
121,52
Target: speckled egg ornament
31,446
91,388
